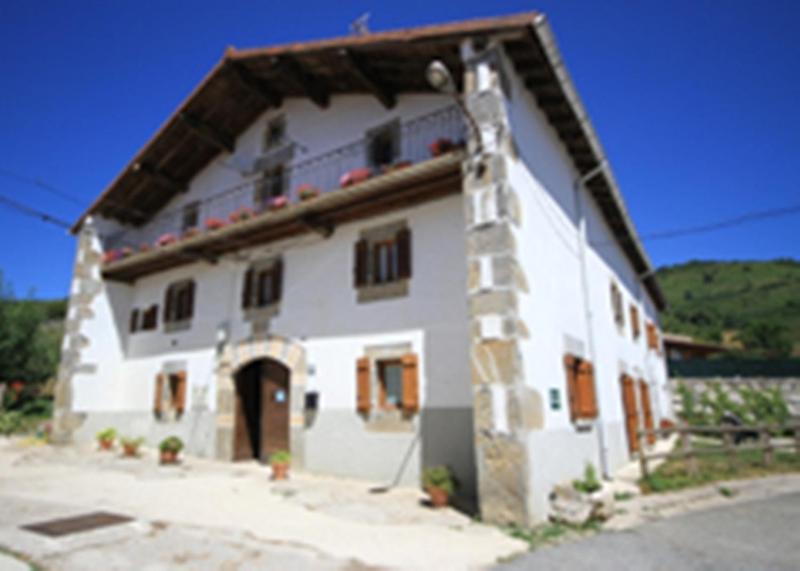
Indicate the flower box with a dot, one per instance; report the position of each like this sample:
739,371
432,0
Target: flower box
278,202
241,214
215,224
166,240
307,192
441,146
111,256
354,176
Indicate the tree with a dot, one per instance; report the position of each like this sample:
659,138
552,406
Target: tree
765,339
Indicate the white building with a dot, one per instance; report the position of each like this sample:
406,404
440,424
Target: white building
484,308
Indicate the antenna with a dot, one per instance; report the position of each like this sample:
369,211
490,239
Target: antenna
360,26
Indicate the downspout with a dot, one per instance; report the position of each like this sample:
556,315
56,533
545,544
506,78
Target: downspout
587,306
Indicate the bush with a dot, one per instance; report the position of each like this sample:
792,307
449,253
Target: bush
590,483
439,477
131,441
171,444
280,457
10,422
37,407
755,407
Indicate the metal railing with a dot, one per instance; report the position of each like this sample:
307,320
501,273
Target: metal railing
322,172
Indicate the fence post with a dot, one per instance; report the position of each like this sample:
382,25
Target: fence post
642,456
730,447
765,442
797,438
686,445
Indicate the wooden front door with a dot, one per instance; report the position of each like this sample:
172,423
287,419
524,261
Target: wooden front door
261,425
631,412
647,410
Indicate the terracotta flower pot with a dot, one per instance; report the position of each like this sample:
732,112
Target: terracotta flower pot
280,471
169,457
439,497
130,450
106,444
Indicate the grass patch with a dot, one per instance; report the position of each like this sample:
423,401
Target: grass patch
549,533
716,467
623,496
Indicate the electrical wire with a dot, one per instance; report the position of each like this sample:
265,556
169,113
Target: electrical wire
34,212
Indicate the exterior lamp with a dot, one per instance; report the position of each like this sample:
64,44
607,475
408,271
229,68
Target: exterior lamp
440,78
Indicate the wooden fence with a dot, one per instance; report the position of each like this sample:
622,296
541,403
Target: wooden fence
764,442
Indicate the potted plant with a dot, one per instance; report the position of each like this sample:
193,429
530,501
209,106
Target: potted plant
190,233
111,256
278,202
441,146
130,446
125,252
439,483
240,214
215,224
354,176
145,247
279,461
105,438
166,240
169,448
307,191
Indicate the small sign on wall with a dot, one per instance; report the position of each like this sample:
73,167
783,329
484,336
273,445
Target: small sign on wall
555,399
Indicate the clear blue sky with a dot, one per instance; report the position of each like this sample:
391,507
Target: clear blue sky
695,101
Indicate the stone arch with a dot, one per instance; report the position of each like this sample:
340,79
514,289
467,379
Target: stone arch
235,356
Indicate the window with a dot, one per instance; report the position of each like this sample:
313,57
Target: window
636,326
179,303
134,322
150,318
390,384
580,389
383,145
271,185
170,395
652,336
191,216
275,133
617,305
383,259
263,284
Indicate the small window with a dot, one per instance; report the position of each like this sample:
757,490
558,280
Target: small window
170,397
150,318
617,305
179,302
383,145
275,134
390,384
383,259
262,285
271,185
636,326
191,216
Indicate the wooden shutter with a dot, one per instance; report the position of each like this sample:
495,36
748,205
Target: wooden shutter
631,413
635,325
404,253
189,300
572,389
363,397
587,398
647,410
410,383
247,289
158,398
277,281
361,262
169,304
180,392
134,323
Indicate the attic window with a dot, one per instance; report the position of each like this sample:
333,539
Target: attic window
383,145
276,133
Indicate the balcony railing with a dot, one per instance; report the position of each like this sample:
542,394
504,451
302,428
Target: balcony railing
297,176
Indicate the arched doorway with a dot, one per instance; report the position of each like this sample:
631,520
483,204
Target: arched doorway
263,401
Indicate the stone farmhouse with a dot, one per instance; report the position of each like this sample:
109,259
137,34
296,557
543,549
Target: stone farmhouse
380,252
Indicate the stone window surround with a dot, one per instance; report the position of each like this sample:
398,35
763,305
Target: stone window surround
389,290
380,419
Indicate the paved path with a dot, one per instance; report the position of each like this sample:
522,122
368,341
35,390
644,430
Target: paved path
762,535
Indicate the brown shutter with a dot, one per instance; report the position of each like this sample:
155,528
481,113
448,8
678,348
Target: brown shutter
247,289
134,324
363,398
180,393
636,328
277,281
410,383
169,303
404,253
159,396
189,300
361,261
572,389
644,393
587,398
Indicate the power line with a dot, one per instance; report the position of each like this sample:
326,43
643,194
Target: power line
34,212
42,185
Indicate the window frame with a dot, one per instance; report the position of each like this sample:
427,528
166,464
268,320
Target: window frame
189,212
179,304
383,392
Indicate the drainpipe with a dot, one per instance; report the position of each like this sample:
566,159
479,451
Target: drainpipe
587,306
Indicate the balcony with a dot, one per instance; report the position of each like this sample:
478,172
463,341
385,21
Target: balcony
316,196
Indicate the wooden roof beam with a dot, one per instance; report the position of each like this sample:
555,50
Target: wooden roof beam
160,177
361,69
254,84
208,132
310,85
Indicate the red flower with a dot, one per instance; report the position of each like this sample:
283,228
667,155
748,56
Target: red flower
166,240
441,146
17,386
240,214
278,202
354,176
215,224
307,191
111,256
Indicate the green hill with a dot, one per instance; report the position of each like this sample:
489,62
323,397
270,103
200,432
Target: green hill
758,302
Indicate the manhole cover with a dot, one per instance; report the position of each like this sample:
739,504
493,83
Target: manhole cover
77,524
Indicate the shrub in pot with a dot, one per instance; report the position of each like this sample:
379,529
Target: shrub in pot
354,176
166,240
215,223
130,446
278,202
307,191
241,214
125,252
169,448
279,462
111,256
439,483
105,438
